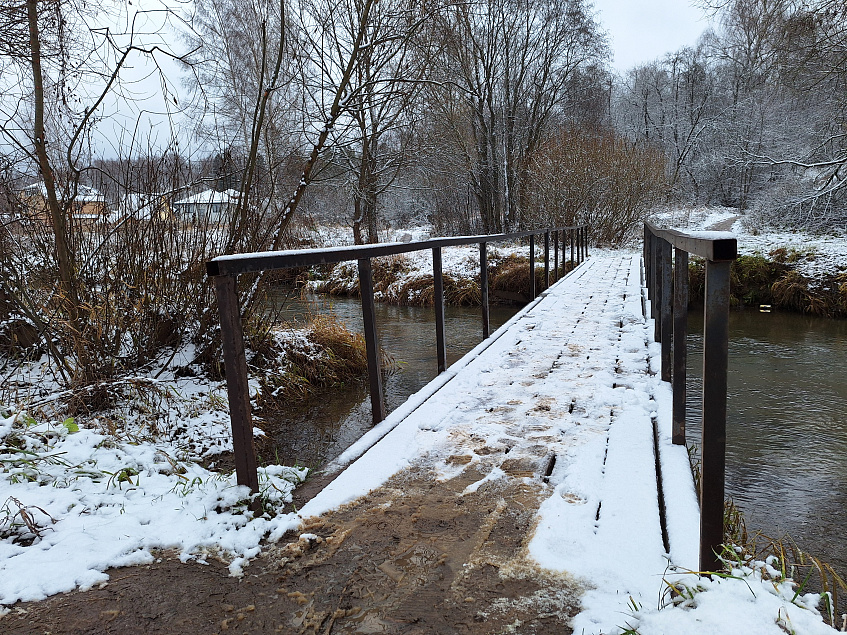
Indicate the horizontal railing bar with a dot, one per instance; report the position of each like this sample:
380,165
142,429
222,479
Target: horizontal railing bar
714,246
268,260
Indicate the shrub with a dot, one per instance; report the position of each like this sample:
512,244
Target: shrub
597,178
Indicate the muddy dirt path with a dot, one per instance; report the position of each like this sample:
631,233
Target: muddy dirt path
419,555
724,225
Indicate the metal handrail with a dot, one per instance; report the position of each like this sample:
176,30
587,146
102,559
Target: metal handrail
671,329
224,271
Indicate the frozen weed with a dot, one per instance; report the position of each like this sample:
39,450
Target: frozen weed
23,524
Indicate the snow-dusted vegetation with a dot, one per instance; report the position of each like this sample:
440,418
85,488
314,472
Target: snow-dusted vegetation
137,144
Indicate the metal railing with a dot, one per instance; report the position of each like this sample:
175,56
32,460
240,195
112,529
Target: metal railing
666,268
224,271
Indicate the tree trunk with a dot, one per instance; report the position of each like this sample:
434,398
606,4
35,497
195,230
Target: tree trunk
64,254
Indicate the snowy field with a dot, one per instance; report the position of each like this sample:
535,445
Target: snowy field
78,496
817,255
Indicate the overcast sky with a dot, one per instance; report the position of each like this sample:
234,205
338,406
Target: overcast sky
642,30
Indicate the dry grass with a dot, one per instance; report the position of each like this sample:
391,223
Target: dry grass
810,572
743,548
328,355
759,280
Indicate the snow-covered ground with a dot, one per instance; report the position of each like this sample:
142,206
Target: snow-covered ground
817,255
76,499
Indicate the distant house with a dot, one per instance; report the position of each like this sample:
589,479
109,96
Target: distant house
88,205
142,208
209,206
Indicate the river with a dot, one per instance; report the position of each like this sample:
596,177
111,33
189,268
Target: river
786,426
787,409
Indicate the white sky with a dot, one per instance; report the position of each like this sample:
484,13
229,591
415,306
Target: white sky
643,30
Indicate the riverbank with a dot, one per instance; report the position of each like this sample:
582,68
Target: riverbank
407,279
793,271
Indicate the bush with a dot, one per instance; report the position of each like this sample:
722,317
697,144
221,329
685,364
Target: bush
598,179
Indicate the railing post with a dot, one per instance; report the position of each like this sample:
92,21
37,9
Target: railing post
715,362
580,249
532,267
366,289
237,388
665,311
572,231
556,254
648,270
680,346
483,286
658,266
585,240
438,279
546,259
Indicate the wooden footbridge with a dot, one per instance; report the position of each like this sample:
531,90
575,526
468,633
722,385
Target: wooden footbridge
552,454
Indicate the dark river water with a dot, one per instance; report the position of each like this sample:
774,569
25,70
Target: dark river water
787,409
321,429
786,426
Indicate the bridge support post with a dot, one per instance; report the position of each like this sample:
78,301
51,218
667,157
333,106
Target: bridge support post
680,347
715,363
581,245
366,289
438,279
532,267
483,286
235,361
547,260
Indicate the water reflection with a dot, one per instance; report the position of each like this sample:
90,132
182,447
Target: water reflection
786,426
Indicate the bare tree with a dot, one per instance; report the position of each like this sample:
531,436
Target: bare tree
672,103
506,69
67,63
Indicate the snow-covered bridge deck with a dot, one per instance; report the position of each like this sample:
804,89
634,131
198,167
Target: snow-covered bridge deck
563,402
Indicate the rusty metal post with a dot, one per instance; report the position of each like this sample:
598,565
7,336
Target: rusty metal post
438,280
666,309
715,364
483,286
680,346
366,289
546,259
532,267
237,388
